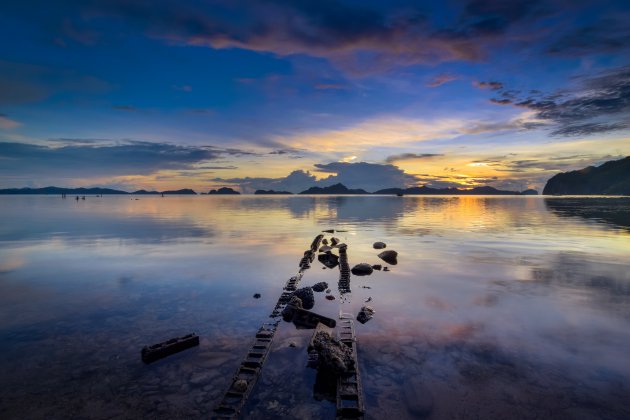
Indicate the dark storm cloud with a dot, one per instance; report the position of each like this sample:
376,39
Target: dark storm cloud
411,156
596,104
354,35
369,176
85,159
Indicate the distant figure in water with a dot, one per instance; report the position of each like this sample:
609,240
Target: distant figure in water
162,194
77,198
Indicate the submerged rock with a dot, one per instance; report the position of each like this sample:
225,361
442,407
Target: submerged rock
256,295
334,241
320,287
365,314
330,297
287,312
333,356
305,294
379,245
362,269
324,241
389,256
329,259
377,266
325,248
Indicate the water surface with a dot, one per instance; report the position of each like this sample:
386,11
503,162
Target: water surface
500,307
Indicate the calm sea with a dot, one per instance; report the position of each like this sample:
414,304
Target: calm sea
499,307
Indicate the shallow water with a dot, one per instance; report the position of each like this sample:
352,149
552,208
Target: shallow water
499,307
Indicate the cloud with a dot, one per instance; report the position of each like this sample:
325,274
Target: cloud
7,123
83,159
26,83
595,104
441,79
493,85
359,37
610,34
369,176
411,156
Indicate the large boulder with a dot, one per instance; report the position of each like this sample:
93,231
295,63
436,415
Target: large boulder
389,256
333,356
306,296
362,269
379,245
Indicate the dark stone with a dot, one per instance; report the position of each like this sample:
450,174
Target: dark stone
256,295
385,268
320,287
329,259
379,245
287,312
324,241
325,248
330,297
334,241
377,267
390,257
365,314
362,269
306,296
333,356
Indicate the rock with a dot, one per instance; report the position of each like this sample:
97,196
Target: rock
377,267
240,385
325,248
333,356
342,246
329,259
365,314
334,241
324,241
386,269
306,296
330,297
287,312
320,287
379,245
292,344
328,290
390,257
329,231
256,295
362,269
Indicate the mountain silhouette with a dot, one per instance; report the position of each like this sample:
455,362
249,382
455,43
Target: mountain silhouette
610,178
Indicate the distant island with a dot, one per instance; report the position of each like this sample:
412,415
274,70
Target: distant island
272,192
610,178
223,191
333,189
424,190
336,189
90,191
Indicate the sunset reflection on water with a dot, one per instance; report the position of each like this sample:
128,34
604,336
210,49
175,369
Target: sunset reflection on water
499,306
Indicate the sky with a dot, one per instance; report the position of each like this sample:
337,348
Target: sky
285,95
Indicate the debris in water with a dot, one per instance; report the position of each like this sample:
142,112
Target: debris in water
365,314
256,295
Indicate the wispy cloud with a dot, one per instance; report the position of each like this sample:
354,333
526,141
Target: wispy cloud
441,79
411,157
595,104
7,123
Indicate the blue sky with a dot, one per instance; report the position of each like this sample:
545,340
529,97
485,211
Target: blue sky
289,94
